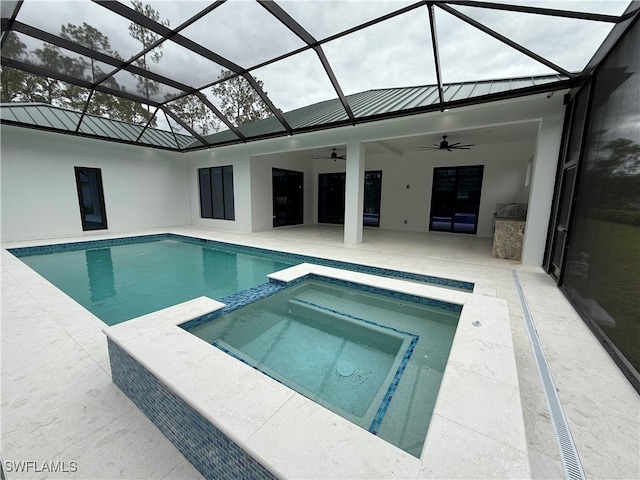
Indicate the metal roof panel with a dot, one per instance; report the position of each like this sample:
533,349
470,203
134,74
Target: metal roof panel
366,104
68,119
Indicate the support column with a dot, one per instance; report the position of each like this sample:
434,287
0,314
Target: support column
354,193
543,176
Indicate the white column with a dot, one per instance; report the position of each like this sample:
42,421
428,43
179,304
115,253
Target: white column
354,195
543,176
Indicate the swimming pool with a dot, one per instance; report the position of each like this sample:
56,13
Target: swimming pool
120,279
117,282
375,359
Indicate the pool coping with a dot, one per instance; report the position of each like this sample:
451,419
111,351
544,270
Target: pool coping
477,413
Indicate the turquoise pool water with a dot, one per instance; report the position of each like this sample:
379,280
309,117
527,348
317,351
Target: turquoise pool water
120,282
123,278
374,359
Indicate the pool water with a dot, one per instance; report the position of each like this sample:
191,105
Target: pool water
373,359
120,282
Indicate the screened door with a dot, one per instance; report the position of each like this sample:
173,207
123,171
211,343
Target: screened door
91,198
455,199
287,197
566,190
562,222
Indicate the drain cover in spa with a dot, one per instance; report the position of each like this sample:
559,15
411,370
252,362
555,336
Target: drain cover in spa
345,369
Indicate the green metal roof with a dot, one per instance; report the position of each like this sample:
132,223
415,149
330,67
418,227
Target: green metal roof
365,105
389,102
49,117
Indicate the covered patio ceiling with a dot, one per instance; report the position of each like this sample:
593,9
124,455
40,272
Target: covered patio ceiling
205,74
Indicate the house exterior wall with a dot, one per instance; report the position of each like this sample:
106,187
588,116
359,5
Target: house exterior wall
146,188
143,188
505,168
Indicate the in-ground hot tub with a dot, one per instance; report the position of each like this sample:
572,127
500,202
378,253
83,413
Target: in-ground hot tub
372,356
230,419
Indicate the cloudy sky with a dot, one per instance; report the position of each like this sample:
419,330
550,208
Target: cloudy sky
394,53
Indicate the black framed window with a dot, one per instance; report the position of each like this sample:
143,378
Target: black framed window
91,198
216,192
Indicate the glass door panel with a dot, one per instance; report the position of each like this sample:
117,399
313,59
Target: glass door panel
455,199
331,194
372,198
287,197
331,198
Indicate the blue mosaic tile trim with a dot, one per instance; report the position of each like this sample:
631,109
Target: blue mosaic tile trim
353,317
291,258
246,297
382,410
405,297
386,401
297,258
85,245
237,300
211,452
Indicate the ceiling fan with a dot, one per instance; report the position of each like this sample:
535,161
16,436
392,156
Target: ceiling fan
334,156
444,145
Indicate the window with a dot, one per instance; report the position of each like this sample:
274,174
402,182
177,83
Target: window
455,199
216,192
91,198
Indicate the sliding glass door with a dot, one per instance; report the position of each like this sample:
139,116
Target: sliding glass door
288,197
331,198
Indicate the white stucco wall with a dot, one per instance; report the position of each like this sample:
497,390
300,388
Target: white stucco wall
146,188
143,188
505,167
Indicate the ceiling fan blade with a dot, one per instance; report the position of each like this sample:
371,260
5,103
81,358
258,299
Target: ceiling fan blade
444,145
